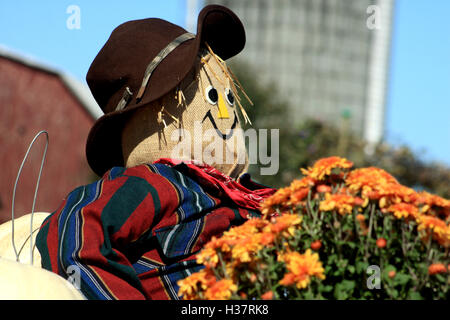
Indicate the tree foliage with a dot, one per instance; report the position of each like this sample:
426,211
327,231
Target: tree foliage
301,145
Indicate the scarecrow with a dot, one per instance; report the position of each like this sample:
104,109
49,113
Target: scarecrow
171,156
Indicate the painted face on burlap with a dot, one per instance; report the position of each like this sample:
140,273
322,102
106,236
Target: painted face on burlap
197,121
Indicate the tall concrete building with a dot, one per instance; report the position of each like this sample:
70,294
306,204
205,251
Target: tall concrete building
328,58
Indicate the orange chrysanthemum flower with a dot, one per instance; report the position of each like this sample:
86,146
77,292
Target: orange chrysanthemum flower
208,256
432,200
244,249
436,268
343,203
323,188
268,295
280,197
241,243
289,279
366,180
288,196
376,184
439,229
298,196
286,222
195,283
301,267
266,238
429,201
370,176
324,166
300,189
243,240
305,182
404,210
221,290
392,193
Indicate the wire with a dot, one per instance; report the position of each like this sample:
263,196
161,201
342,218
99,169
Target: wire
34,198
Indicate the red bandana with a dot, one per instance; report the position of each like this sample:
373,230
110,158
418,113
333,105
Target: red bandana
241,195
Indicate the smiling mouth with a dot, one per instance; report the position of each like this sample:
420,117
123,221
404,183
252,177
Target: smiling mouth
219,133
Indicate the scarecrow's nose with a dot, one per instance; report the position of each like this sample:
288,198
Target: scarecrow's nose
223,112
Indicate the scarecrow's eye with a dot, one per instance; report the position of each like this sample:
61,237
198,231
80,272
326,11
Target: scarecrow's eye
229,95
211,95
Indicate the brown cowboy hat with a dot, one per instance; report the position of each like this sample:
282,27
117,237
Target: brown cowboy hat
141,62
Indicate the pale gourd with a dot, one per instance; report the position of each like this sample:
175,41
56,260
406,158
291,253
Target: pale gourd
19,280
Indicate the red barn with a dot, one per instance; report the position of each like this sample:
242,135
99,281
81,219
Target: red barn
35,97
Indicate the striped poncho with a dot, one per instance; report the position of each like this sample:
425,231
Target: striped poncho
134,233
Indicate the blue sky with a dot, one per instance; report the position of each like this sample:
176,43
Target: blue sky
38,28
418,109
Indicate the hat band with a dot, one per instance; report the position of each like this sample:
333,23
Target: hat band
126,97
157,60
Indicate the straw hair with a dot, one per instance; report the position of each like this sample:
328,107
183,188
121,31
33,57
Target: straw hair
235,84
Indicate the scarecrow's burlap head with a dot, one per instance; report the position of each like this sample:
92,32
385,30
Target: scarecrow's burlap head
198,120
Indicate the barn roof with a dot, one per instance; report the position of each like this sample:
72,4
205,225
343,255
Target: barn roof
80,90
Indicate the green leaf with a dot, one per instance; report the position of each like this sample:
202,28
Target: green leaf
309,295
332,258
351,244
337,273
348,285
361,266
327,288
401,278
351,269
344,289
414,295
343,263
398,260
394,294
440,278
